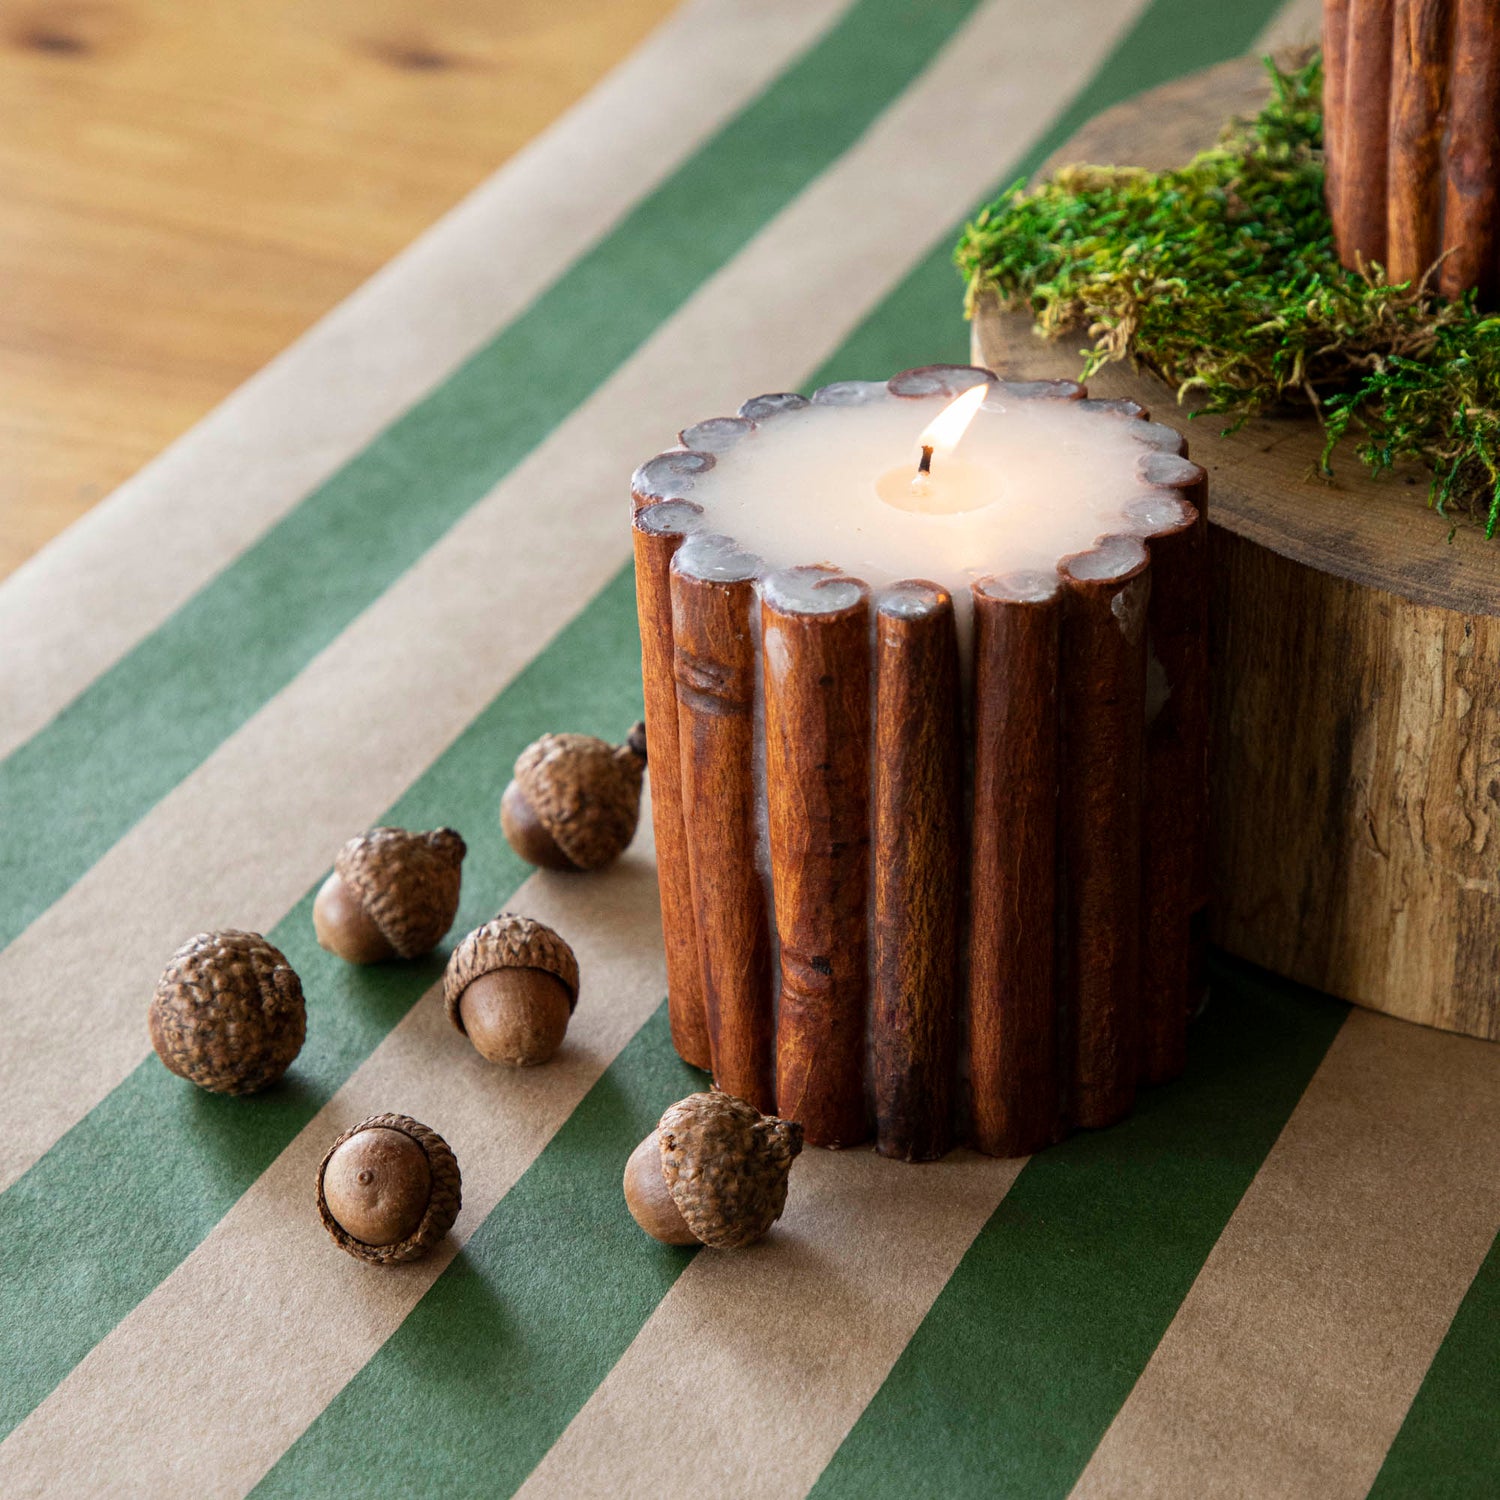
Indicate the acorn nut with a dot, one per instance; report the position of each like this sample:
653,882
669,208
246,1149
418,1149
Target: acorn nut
228,1012
388,1190
714,1171
510,987
392,894
574,800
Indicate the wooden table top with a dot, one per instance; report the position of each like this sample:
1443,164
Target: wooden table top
185,188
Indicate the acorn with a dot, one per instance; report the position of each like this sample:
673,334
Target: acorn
228,1012
388,1190
713,1172
510,987
574,800
392,894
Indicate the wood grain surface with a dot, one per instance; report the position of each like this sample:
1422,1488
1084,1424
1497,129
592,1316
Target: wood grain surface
184,188
1356,645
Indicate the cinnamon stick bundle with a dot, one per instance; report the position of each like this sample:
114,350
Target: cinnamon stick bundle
1419,101
714,659
815,646
1362,150
798,731
1471,200
918,853
1103,706
1015,1070
658,531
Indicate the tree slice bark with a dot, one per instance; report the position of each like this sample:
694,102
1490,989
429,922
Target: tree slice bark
1356,658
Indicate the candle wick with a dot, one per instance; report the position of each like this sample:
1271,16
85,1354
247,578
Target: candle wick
925,465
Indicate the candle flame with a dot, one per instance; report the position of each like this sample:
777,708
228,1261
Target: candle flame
950,424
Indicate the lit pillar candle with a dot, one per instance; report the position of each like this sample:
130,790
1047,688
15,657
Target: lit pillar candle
825,560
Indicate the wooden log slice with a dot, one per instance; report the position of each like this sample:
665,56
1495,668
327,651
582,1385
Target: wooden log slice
1356,655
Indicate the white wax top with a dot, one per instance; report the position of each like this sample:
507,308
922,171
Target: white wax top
1045,478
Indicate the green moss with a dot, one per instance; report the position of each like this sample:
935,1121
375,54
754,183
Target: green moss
1221,276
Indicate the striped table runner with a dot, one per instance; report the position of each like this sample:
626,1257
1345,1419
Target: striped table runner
350,596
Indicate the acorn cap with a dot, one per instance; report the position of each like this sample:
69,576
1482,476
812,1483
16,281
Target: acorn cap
228,1012
585,792
508,942
407,883
442,1204
726,1166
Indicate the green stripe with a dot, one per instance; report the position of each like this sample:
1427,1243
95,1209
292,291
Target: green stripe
476,1384
1034,1344
82,781
123,1198
1449,1445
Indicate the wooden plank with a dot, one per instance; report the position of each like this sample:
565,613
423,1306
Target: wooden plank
185,188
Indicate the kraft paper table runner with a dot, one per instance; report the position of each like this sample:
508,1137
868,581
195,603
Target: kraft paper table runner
351,596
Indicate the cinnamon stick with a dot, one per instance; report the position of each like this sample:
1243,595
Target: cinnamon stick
1103,701
1419,106
815,646
1115,406
659,530
1015,1069
1471,202
1172,518
918,857
938,380
1160,436
714,659
715,434
668,476
1157,436
1360,225
1335,83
